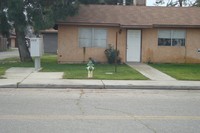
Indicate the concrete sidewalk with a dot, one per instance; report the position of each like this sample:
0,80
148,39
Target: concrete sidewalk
31,79
9,54
150,72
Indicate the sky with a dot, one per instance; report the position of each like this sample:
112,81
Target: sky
152,2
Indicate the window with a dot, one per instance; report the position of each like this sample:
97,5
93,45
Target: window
85,37
93,37
171,38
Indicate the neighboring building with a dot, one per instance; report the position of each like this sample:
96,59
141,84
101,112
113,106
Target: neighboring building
50,39
12,41
148,34
139,2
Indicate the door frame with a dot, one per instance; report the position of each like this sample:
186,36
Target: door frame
140,44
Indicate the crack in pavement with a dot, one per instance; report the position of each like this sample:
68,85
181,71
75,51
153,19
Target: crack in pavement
78,102
104,86
130,115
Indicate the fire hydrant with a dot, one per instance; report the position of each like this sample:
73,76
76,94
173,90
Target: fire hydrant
90,68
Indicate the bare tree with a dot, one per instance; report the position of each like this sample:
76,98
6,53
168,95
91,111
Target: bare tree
197,3
179,3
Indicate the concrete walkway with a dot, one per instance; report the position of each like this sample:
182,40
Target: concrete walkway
28,78
150,72
19,73
10,53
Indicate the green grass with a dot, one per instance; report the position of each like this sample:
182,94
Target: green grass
180,71
2,71
77,71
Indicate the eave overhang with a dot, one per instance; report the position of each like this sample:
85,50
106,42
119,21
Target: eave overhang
175,26
128,26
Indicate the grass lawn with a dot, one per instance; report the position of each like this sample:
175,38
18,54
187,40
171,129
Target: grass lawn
2,71
180,71
77,71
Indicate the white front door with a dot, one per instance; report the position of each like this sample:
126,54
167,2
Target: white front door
133,45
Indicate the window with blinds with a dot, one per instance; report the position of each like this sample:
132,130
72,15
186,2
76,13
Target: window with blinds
93,37
171,37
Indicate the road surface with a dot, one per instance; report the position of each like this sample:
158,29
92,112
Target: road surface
99,111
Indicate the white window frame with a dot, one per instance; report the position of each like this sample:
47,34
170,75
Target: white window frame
172,37
95,39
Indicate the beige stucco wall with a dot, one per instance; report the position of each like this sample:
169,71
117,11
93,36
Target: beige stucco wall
70,52
151,52
192,46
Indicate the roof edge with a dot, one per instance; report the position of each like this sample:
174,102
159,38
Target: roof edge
128,26
174,26
137,26
89,24
104,24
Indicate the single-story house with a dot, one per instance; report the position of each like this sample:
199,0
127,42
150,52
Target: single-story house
50,39
141,34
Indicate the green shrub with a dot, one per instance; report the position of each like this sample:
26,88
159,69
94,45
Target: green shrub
112,55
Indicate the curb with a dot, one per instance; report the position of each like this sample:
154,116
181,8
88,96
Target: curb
9,86
154,87
53,86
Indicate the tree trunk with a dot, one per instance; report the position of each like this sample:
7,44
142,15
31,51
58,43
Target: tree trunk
23,48
181,3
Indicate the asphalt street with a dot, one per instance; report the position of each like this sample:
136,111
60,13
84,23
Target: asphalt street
99,111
